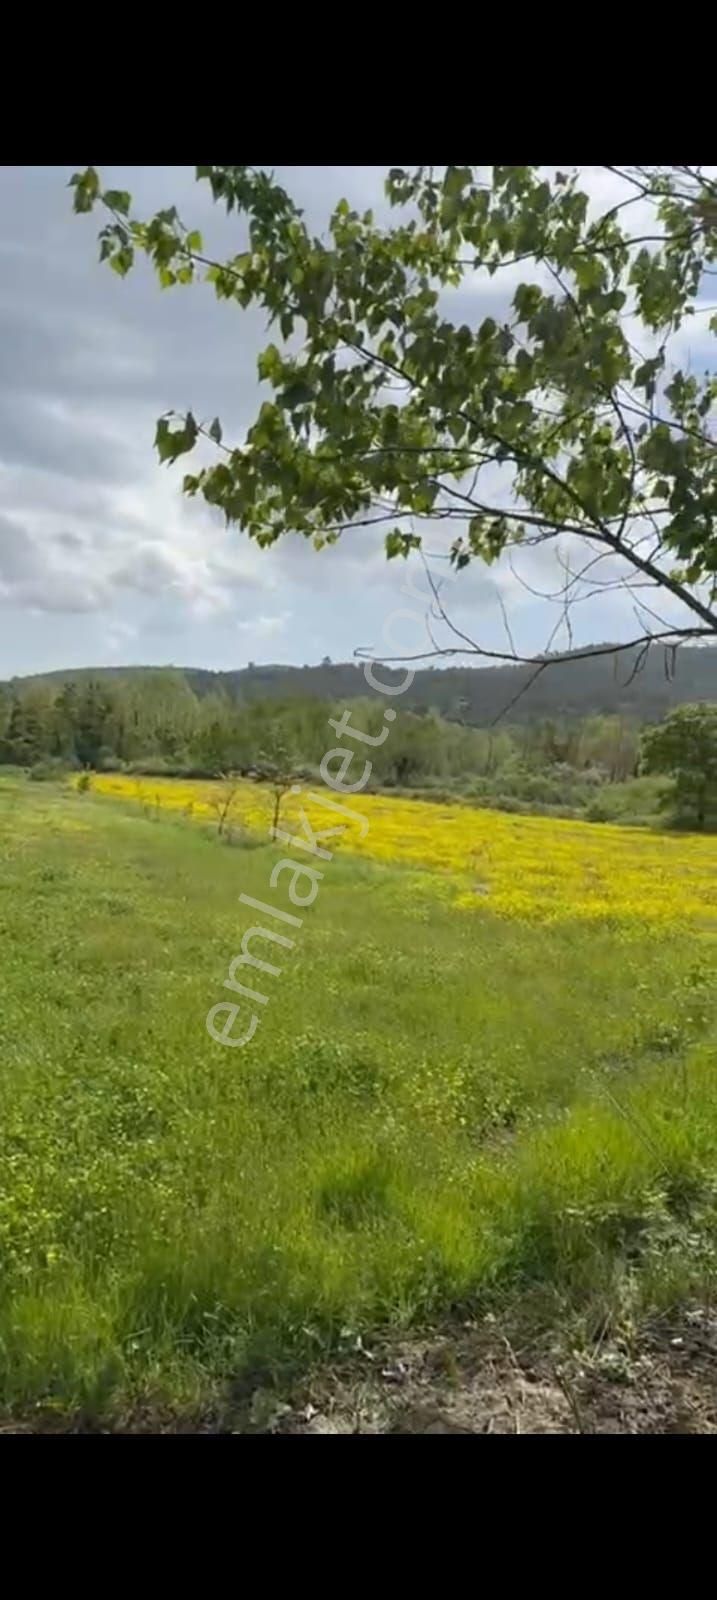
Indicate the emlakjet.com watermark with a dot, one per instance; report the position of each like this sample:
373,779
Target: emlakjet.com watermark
302,878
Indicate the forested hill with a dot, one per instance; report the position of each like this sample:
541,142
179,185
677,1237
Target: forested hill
568,687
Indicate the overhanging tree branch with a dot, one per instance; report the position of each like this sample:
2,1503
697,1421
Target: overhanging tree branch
552,396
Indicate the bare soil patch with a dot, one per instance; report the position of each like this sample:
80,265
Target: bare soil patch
474,1380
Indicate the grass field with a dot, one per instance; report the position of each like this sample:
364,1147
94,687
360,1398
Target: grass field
485,1075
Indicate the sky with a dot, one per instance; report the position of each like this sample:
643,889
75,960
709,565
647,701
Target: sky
102,560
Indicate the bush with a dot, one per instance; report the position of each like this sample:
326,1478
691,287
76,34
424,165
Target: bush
444,797
507,802
239,839
47,771
597,811
155,767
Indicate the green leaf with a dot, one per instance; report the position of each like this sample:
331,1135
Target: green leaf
122,260
194,242
527,299
455,181
399,543
269,364
170,443
87,187
297,394
215,431
118,200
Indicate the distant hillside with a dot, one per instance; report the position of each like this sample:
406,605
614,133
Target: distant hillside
567,688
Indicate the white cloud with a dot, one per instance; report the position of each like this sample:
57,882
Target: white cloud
265,627
71,596
152,569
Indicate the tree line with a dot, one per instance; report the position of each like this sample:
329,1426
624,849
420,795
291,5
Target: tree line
625,684
156,717
604,766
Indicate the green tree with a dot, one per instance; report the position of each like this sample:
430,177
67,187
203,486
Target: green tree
5,708
159,713
23,742
611,743
222,801
95,731
381,409
278,763
64,722
216,746
685,746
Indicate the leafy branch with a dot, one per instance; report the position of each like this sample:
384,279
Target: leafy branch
384,410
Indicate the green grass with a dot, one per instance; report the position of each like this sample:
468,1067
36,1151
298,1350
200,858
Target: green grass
439,1107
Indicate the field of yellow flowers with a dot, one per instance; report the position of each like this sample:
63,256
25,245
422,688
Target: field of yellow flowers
532,868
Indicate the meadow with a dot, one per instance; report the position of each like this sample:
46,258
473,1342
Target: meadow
485,1077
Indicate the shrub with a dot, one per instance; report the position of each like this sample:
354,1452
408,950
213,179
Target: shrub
597,811
155,767
46,771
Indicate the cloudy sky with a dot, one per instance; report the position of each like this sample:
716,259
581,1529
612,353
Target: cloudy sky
101,558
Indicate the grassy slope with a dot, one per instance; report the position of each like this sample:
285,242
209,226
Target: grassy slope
438,1104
